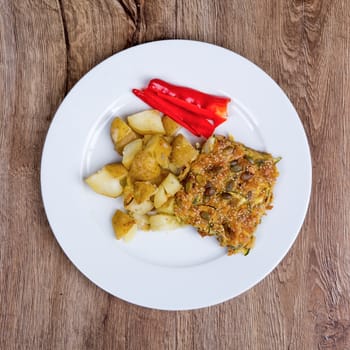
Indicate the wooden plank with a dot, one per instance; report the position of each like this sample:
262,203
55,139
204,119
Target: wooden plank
32,61
45,47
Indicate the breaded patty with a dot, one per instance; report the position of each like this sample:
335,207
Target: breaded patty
226,193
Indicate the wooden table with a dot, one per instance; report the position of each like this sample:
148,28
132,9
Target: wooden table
46,46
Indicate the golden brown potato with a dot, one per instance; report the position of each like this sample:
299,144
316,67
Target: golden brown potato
147,122
107,181
159,149
183,152
170,126
209,145
142,221
159,179
128,192
174,169
171,185
160,197
167,207
183,173
140,208
169,139
130,151
117,170
163,222
143,190
121,134
124,225
146,138
144,167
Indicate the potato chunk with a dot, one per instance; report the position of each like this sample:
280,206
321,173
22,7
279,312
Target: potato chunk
106,181
183,152
143,190
147,122
144,167
142,221
167,207
170,126
171,184
140,208
128,191
160,197
121,134
124,225
159,149
130,151
163,222
209,145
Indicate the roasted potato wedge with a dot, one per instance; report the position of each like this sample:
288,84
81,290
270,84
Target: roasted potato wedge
130,151
163,222
174,169
167,207
160,197
143,190
124,225
159,149
128,191
107,181
121,134
184,171
147,122
159,179
142,221
183,152
140,208
209,145
144,167
171,184
146,138
170,126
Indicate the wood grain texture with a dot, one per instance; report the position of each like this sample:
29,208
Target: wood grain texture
46,46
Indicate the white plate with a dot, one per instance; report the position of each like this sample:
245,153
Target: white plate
174,270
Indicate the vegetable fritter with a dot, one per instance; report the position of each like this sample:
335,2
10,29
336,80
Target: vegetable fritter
226,193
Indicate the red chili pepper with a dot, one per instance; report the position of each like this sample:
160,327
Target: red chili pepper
217,119
215,104
193,122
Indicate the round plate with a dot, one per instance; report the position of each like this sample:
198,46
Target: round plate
174,270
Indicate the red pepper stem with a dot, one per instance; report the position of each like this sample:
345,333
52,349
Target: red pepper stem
197,126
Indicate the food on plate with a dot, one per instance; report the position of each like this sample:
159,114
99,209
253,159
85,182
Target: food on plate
182,152
141,208
143,190
222,188
170,126
159,148
171,184
144,177
107,181
121,134
144,167
129,152
214,107
167,207
198,112
160,197
227,191
124,225
147,122
161,222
